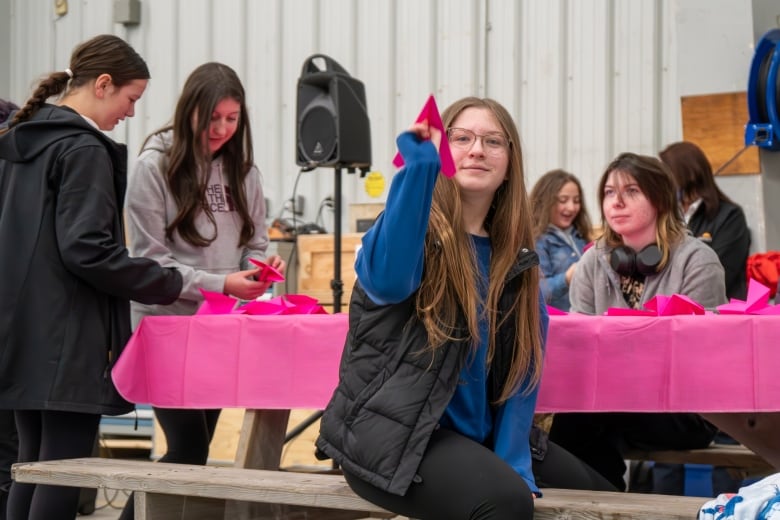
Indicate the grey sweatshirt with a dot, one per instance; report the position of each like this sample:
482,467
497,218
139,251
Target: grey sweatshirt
693,270
150,207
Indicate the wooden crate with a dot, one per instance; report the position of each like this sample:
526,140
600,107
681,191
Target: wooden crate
316,254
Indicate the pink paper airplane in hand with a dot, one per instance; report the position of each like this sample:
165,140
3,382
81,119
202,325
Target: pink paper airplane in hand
430,112
268,273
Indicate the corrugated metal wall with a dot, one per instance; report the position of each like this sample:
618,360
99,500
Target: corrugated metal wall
585,79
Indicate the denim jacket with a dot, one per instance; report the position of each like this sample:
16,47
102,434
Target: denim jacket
558,249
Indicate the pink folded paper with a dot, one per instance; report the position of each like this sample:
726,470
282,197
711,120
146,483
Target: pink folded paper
674,305
757,302
430,112
287,304
554,311
268,273
217,303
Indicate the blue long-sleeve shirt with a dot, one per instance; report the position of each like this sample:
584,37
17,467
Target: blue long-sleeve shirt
390,265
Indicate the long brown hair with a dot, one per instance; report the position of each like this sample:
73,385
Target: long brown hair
656,183
189,159
103,54
693,174
448,285
544,197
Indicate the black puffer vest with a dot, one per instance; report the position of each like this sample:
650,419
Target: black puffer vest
392,391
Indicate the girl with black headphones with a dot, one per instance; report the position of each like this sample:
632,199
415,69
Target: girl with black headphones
645,251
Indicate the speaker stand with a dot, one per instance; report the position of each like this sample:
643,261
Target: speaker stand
336,284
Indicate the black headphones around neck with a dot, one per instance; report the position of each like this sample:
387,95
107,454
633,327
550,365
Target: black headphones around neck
626,262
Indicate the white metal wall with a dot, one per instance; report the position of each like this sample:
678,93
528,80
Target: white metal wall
585,79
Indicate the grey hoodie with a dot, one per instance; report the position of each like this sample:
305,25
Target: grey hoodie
693,270
150,207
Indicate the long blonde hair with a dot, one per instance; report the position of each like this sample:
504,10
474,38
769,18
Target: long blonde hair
448,285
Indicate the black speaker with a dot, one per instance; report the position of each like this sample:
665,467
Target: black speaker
332,121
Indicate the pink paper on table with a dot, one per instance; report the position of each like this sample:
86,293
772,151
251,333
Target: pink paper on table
287,304
216,303
674,305
757,302
554,311
268,273
431,112
619,311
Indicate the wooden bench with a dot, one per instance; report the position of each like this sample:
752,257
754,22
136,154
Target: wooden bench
160,487
736,457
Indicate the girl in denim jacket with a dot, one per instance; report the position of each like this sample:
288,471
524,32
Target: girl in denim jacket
562,228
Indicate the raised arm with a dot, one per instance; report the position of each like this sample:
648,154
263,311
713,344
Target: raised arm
389,265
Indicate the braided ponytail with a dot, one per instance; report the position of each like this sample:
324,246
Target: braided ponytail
54,85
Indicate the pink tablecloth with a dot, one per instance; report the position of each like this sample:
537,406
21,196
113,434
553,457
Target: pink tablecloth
233,361
726,363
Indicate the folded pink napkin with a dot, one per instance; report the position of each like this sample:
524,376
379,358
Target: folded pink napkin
757,302
660,305
218,303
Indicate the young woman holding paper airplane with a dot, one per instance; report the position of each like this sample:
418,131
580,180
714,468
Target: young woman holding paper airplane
440,371
195,202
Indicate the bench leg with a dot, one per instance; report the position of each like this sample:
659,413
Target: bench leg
155,506
757,431
260,447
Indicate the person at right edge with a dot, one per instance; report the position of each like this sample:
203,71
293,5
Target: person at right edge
711,216
718,221
645,251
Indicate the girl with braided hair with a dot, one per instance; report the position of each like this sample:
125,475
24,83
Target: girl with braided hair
67,278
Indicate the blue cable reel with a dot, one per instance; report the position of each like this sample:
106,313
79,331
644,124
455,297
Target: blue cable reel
763,94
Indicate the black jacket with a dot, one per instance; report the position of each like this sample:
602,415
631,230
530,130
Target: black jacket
729,236
392,391
66,275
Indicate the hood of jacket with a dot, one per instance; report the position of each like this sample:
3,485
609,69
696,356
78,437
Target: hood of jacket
27,140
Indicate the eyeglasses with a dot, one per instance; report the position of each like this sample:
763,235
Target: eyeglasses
463,139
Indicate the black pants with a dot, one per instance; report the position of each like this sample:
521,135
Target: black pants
599,439
188,434
9,447
561,469
50,435
460,479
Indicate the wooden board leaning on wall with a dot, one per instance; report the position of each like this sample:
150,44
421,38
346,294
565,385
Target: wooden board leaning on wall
716,123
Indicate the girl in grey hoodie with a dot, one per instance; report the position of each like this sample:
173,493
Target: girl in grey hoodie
645,251
195,202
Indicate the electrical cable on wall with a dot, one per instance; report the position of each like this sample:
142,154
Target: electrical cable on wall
294,230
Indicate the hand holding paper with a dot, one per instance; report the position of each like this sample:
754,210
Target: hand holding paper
430,113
